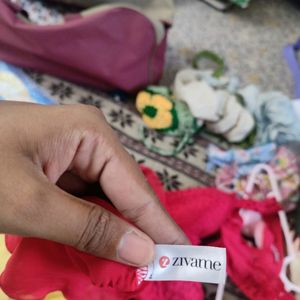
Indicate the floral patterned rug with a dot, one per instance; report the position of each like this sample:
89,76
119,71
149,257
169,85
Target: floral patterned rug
185,170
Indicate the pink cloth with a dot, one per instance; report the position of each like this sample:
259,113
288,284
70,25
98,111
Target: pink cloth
38,267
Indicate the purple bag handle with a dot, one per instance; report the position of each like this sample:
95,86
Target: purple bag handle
290,55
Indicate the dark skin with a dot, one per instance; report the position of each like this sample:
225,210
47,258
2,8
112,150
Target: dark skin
48,154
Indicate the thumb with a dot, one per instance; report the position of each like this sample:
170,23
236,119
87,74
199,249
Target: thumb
90,228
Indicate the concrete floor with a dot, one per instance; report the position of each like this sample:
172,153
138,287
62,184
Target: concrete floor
249,40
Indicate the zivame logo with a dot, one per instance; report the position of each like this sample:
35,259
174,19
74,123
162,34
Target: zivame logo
164,261
192,262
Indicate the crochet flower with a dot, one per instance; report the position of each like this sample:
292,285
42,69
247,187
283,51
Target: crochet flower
156,110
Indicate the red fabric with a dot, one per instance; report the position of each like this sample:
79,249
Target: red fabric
38,267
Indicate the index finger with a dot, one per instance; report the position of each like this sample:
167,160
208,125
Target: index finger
126,186
104,158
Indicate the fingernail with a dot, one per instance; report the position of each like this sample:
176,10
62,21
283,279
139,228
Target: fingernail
135,250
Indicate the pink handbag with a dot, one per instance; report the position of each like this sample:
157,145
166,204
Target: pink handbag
109,47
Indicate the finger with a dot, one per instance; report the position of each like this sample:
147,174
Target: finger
137,201
72,184
125,185
88,227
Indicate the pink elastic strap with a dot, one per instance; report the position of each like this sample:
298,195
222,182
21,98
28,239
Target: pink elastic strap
289,286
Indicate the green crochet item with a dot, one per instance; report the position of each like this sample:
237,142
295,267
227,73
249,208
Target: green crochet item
174,120
241,3
213,57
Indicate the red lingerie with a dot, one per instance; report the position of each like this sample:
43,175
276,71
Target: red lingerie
38,267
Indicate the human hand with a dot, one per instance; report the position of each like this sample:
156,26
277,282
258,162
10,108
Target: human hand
44,149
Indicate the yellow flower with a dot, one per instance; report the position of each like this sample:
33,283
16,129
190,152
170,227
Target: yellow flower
156,110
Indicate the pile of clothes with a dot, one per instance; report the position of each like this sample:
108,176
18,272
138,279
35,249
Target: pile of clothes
210,101
241,116
234,166
267,122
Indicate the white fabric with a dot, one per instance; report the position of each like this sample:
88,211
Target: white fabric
243,127
201,98
230,118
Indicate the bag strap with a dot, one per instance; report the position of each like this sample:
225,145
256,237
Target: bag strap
290,56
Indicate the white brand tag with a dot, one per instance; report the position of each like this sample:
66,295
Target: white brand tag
187,263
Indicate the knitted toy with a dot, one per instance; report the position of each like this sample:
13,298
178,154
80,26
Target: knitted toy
213,98
218,108
163,113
